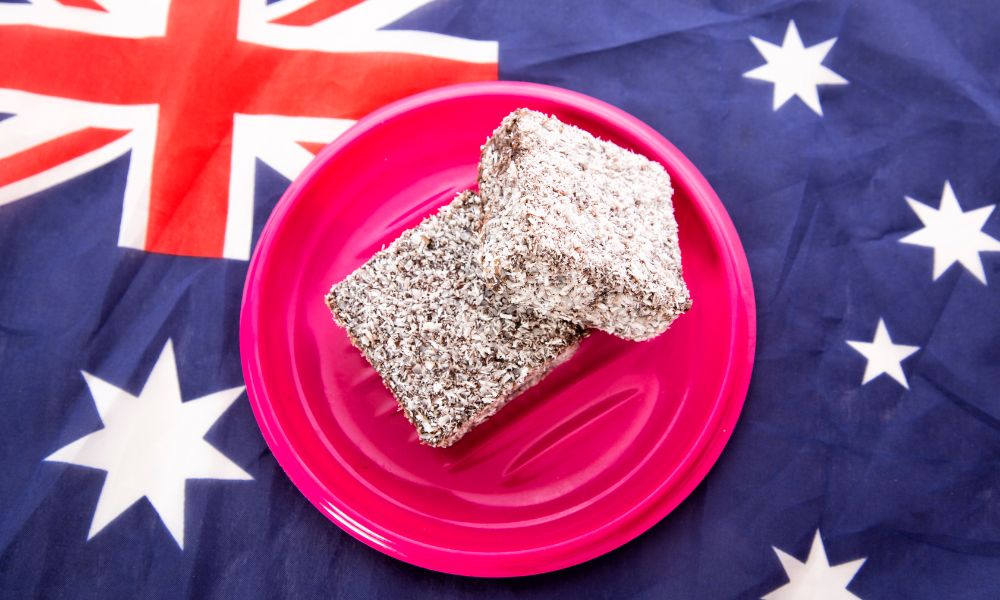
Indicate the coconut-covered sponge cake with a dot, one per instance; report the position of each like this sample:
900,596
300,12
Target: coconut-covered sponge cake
579,229
451,350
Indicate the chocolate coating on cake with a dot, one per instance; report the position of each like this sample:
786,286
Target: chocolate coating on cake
451,350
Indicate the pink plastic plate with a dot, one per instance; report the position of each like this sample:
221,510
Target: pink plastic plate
582,463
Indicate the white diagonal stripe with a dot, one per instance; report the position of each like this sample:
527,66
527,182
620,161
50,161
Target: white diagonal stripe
65,171
273,139
39,119
275,10
123,19
24,131
356,30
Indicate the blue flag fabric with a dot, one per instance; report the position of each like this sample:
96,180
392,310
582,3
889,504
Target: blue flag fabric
854,144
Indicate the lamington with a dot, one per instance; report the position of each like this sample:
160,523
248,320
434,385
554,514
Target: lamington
579,228
450,350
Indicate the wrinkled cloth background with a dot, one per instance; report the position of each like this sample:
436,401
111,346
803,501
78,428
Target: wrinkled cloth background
905,478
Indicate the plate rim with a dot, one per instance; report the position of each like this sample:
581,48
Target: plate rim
608,536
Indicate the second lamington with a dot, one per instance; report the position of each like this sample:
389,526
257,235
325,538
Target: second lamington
579,228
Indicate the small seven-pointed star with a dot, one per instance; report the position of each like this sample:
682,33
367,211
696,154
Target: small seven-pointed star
794,69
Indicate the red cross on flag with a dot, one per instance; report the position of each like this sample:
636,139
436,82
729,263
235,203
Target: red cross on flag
196,92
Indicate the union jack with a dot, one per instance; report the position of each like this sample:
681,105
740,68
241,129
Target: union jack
196,92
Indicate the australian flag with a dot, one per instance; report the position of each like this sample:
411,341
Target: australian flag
856,146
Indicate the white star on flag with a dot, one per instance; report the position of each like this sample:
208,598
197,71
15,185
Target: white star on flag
815,579
794,69
151,445
955,236
883,356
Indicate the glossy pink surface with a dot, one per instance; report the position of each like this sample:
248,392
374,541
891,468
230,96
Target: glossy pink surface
597,453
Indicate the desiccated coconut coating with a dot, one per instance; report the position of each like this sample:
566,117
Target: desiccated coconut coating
579,228
449,349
